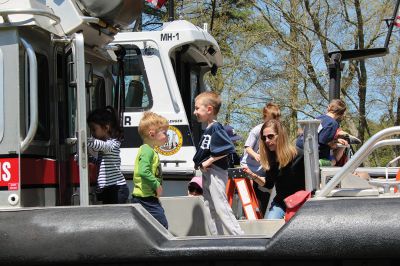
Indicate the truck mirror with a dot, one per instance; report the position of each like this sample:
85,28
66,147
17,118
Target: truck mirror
88,74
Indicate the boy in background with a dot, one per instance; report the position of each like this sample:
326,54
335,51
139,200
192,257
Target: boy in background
212,159
147,176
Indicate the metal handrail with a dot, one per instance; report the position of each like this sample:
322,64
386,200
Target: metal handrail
373,143
78,45
33,11
33,97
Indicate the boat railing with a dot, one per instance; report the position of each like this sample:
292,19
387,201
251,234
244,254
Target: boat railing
376,141
310,147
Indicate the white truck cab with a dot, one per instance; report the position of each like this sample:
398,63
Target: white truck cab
164,72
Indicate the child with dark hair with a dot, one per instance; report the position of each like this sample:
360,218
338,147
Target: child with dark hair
105,140
195,186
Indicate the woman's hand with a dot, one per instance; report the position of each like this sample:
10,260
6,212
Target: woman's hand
249,172
256,178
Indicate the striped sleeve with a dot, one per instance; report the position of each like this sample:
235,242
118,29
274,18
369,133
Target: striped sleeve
99,145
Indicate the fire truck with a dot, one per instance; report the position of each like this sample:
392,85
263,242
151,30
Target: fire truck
59,59
54,70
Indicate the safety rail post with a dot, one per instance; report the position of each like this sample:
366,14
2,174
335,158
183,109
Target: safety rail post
311,156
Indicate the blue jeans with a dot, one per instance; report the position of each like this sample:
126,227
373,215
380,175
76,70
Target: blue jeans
153,206
276,212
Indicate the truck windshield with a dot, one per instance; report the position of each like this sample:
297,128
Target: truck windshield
137,90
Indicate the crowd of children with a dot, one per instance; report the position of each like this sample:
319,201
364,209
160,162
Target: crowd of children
269,159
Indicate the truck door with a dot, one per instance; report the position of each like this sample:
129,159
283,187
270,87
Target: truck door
66,127
188,77
73,129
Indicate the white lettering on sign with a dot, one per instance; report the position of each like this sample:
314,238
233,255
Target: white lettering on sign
5,173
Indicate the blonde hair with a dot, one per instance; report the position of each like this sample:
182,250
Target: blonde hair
271,111
285,151
151,121
337,107
210,98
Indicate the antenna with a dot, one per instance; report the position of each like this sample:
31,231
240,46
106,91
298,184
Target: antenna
171,11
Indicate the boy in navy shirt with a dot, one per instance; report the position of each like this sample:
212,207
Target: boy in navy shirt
212,159
328,132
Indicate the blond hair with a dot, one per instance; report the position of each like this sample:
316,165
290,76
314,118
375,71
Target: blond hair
285,151
271,111
337,107
151,121
210,98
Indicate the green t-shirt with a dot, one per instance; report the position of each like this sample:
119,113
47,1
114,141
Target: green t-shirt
147,176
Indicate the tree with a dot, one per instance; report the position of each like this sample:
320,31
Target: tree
279,51
319,24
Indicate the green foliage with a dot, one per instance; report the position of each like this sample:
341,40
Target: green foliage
277,51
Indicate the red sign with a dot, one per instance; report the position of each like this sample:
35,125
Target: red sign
9,176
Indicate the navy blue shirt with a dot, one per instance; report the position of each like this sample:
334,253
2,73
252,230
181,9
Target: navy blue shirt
326,133
214,142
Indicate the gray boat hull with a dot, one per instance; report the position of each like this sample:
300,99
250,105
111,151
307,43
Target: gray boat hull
329,231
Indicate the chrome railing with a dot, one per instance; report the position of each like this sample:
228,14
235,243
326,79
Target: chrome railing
376,141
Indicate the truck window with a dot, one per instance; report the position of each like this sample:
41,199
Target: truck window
71,99
97,93
43,131
137,90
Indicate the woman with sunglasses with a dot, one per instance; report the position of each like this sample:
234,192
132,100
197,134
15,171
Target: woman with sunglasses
283,163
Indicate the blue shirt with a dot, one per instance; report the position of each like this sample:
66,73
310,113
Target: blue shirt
326,133
214,142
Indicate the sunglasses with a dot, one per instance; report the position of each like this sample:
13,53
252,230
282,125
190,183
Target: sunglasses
269,137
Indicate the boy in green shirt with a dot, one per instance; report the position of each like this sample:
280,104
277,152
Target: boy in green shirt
147,176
